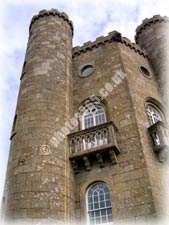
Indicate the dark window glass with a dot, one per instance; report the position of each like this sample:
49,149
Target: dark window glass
87,70
145,71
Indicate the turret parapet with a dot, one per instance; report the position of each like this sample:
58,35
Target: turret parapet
147,22
113,36
52,12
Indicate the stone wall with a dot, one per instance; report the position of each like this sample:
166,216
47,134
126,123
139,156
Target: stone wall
39,181
129,180
152,35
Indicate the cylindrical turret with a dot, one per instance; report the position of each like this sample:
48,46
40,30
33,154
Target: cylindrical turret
39,180
152,35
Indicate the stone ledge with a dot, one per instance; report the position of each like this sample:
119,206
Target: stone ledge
52,12
113,36
148,22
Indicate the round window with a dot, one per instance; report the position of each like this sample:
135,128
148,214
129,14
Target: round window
144,71
87,70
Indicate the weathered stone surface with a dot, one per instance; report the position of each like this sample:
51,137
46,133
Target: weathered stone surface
37,167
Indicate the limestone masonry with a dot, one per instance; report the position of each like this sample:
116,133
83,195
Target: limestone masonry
89,139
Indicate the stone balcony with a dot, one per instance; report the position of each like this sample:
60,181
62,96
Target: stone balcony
95,144
159,134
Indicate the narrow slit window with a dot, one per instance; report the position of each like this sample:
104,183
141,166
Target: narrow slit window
14,124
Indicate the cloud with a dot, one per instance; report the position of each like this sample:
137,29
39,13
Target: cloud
91,18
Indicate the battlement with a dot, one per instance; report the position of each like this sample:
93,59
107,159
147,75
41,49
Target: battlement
113,36
148,22
52,12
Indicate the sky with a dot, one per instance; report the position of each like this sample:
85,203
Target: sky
91,19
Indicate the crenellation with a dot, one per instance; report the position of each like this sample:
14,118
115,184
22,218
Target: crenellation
147,23
52,12
112,37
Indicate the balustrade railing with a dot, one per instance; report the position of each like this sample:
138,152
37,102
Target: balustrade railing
92,138
160,137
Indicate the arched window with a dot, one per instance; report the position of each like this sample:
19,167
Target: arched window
154,113
93,117
99,207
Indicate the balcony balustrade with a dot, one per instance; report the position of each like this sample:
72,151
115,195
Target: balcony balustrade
93,143
160,138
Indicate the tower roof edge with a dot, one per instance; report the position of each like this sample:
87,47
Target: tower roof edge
148,22
113,36
52,12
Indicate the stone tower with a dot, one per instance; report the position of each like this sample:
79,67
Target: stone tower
154,32
39,181
88,142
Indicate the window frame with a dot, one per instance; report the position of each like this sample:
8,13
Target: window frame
94,116
153,119
86,70
99,209
82,68
145,72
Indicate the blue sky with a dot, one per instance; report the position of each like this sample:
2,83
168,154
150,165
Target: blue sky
91,18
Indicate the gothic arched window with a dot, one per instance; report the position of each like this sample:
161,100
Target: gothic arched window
93,117
99,207
154,113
